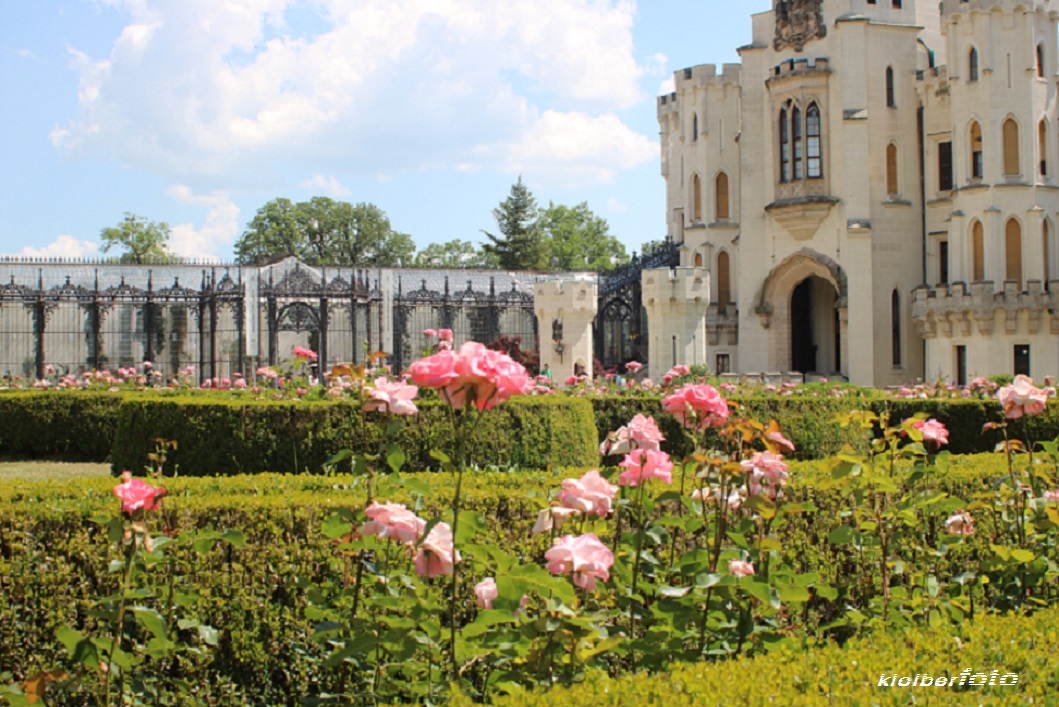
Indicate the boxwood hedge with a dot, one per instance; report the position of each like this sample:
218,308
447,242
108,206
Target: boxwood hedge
223,437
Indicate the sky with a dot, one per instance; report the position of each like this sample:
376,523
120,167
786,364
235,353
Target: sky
198,112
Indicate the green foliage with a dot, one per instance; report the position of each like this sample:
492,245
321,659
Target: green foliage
55,566
519,246
577,239
809,421
75,426
222,437
141,241
830,674
322,231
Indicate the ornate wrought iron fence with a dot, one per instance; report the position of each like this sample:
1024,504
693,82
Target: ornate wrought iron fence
77,316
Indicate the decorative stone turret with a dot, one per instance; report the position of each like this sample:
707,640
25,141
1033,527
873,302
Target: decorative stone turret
676,300
565,312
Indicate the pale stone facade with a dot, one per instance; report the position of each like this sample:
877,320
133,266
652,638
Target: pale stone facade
874,190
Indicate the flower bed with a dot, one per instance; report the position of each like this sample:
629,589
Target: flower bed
654,562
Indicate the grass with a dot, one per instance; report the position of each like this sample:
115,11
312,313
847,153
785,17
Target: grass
51,471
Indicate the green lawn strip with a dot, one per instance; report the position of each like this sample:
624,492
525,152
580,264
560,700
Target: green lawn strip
52,471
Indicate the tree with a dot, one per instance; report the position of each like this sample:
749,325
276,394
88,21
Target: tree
519,245
142,240
577,239
272,233
323,231
455,254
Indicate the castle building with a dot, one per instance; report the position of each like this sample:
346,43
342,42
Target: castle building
874,190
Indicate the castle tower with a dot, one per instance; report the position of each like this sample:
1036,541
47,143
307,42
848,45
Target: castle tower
676,300
993,159
565,312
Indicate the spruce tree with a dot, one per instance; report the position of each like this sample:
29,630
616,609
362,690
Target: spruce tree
519,245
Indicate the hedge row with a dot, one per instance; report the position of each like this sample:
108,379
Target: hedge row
809,421
1026,647
54,561
223,435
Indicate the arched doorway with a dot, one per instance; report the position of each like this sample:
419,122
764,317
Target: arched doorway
802,305
816,342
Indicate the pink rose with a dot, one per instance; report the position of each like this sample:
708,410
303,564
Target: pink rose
393,397
307,354
591,494
485,592
640,433
436,555
766,474
476,374
393,521
429,333
136,494
435,371
1022,398
633,366
960,523
445,334
933,431
570,380
643,465
699,406
740,568
585,558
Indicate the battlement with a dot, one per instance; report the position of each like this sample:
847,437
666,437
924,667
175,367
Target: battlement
701,76
566,294
799,67
960,305
956,7
682,284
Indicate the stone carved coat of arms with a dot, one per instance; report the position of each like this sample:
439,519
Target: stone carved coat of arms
798,22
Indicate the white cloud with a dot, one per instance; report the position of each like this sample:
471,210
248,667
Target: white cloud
574,149
667,87
326,186
64,246
225,88
219,229
617,205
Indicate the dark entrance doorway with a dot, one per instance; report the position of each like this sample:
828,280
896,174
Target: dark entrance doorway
815,337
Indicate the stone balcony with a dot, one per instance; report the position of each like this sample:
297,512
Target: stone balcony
963,309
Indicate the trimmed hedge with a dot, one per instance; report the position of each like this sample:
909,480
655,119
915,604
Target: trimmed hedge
224,437
71,425
234,435
1027,646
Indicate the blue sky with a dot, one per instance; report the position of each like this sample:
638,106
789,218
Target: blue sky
198,112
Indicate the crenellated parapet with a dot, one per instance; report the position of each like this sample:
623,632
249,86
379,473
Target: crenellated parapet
799,68
701,77
963,309
957,7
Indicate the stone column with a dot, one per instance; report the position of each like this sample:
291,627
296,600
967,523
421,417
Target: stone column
676,300
574,304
